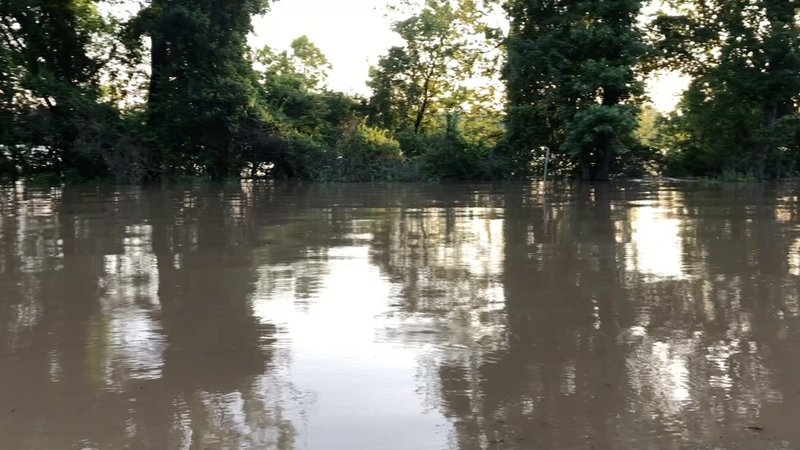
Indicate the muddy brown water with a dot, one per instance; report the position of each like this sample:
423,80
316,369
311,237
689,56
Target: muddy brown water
623,316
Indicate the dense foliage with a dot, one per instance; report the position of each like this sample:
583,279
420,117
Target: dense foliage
202,87
739,115
571,82
173,90
49,86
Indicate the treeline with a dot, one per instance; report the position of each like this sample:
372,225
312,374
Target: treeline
173,90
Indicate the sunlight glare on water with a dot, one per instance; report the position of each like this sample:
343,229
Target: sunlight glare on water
655,246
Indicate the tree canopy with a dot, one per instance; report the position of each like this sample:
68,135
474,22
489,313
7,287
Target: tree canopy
572,84
175,91
739,115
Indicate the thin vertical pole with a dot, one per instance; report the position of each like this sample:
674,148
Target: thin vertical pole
546,163
544,189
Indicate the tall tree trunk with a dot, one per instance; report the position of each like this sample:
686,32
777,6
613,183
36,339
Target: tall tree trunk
426,99
766,142
586,171
603,167
159,59
420,114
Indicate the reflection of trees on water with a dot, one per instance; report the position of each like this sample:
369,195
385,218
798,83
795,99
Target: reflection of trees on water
558,328
136,311
27,244
603,319
605,316
599,336
442,248
447,264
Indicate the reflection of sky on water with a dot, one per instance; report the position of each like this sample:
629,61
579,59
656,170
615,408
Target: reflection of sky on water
794,258
447,265
705,357
130,304
659,372
356,352
656,247
356,383
27,219
228,421
31,253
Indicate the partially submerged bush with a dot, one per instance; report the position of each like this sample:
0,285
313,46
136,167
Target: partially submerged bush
365,153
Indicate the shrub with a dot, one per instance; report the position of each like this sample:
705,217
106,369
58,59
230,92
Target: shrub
364,153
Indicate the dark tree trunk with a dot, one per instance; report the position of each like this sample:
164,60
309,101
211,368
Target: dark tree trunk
765,145
426,99
420,115
602,169
159,59
586,171
606,154
423,107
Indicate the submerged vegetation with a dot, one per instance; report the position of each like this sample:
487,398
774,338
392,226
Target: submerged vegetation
173,90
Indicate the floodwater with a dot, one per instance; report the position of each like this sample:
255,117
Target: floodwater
629,316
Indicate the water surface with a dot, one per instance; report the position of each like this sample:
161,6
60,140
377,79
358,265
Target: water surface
637,315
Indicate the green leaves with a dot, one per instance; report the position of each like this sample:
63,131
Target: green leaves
202,84
744,57
571,80
310,62
50,75
445,47
70,74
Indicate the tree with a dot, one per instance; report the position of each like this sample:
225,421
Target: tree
201,85
49,78
292,86
571,82
321,135
445,45
740,113
310,62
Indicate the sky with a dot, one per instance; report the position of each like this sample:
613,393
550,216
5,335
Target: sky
353,34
